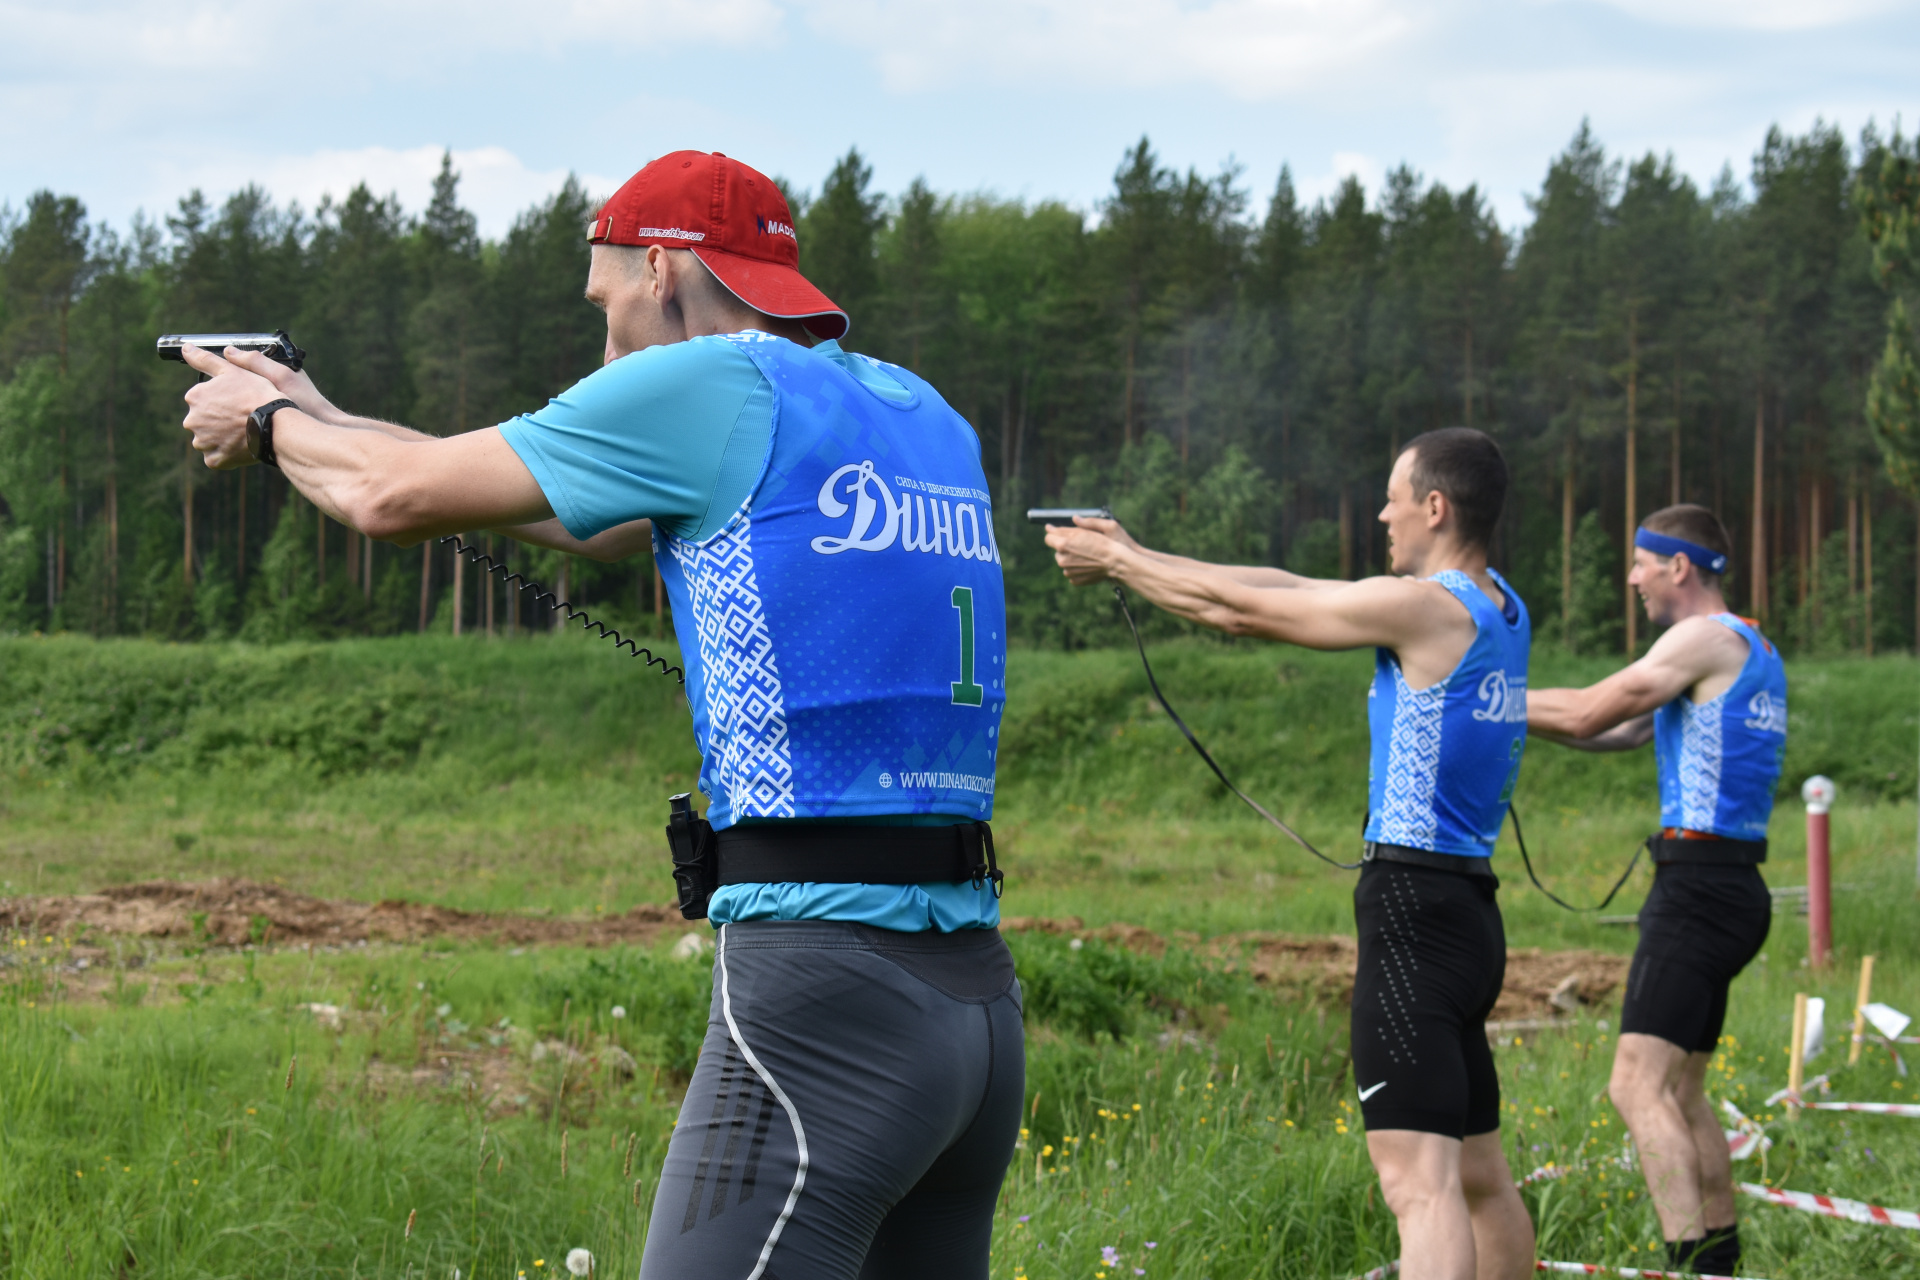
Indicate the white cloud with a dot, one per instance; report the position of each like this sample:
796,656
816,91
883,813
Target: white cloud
494,183
223,39
1253,49
1756,15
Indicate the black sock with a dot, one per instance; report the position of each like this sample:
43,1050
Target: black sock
1721,1257
1682,1255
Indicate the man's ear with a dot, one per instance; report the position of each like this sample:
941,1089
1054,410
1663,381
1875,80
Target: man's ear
1438,508
1681,567
660,273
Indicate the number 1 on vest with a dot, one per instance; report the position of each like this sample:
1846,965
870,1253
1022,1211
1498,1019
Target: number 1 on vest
965,692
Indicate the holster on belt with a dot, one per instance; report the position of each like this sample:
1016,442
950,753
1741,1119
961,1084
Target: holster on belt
822,853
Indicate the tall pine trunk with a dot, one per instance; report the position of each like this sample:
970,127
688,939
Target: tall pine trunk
1866,566
1346,533
1673,442
1633,518
426,582
1757,588
1566,545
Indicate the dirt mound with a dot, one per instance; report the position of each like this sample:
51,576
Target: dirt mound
1539,984
236,912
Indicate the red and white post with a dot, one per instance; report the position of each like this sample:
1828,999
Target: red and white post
1817,791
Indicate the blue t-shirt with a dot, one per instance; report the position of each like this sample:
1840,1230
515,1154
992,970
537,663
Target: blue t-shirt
678,434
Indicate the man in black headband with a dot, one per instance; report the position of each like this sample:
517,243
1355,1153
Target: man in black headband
1712,695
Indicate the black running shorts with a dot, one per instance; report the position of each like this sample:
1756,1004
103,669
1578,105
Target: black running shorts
853,1110
1433,953
1700,926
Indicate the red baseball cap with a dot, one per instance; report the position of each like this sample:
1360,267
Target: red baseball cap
734,219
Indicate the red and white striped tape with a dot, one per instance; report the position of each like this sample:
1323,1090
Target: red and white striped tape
1818,1082
1578,1269
1834,1207
1381,1273
1871,1108
1591,1269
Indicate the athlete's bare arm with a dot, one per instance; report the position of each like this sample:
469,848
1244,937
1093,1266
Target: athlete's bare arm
1251,575
1420,621
388,481
1696,655
1628,735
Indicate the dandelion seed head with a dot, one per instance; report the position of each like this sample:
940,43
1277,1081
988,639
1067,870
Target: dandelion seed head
619,1011
579,1262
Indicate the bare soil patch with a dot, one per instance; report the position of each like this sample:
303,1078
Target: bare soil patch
1539,984
237,912
233,912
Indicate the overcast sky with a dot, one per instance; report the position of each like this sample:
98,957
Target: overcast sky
130,105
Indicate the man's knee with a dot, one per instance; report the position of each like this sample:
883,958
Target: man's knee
1484,1175
1416,1170
1642,1079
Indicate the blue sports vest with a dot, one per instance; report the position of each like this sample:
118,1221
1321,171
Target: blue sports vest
844,633
1445,757
1719,760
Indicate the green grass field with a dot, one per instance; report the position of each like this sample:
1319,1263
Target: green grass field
149,1123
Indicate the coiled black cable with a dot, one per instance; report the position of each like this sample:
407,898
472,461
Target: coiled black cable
542,595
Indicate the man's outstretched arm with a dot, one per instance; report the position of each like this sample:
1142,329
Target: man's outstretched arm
1386,612
1250,575
1690,651
400,488
613,544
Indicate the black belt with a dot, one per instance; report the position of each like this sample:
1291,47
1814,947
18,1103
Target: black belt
1716,852
1456,862
836,854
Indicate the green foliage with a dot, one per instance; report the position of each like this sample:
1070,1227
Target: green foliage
1241,379
1593,621
1221,515
1090,988
110,711
1893,401
664,1001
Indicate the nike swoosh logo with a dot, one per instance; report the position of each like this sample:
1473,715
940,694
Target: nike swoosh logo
1368,1093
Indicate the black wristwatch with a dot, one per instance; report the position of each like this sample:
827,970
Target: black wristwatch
260,431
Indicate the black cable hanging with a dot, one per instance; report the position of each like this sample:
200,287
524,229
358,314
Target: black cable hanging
1617,884
1249,801
542,595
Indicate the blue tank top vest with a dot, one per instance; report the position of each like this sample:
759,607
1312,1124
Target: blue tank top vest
1719,760
1444,758
844,633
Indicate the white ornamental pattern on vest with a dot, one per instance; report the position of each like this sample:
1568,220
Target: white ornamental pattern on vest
1700,762
923,522
1413,764
752,758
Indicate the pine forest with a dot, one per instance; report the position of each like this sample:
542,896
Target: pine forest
1235,384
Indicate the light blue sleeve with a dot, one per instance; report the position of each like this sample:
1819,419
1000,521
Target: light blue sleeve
674,433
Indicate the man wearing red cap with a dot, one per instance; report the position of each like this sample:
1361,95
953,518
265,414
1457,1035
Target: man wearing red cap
823,525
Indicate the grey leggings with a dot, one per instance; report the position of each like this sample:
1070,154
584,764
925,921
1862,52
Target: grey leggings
853,1111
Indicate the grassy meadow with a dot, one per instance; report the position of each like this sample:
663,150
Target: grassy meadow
184,1111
